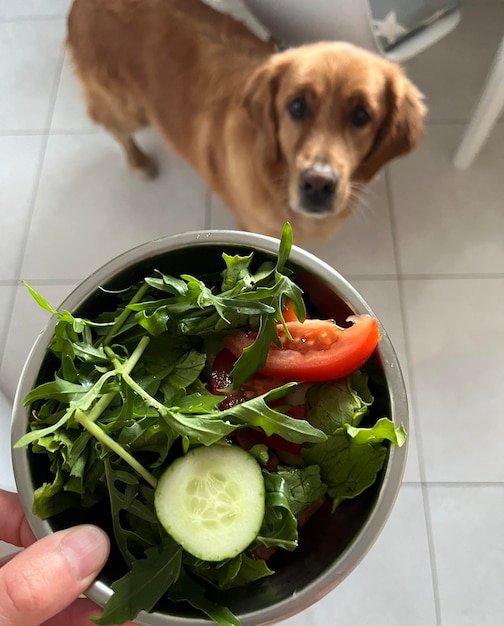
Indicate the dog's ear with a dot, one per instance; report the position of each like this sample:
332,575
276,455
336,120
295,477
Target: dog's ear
259,102
402,127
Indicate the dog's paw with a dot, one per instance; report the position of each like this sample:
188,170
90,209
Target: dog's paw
143,165
149,170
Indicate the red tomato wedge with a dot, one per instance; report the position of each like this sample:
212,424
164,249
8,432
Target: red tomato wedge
288,312
257,385
319,349
220,379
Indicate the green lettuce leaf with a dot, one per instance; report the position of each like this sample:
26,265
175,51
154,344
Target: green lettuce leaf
346,467
279,527
331,405
304,484
383,430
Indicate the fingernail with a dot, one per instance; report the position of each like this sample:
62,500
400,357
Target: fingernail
86,549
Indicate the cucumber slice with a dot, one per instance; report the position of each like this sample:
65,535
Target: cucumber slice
211,501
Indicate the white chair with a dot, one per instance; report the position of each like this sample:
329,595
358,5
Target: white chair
371,24
486,113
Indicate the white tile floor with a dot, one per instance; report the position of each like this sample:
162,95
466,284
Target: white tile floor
427,251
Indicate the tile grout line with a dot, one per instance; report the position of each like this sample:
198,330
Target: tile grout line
455,276
33,132
432,550
412,385
16,19
454,122
43,281
441,484
33,198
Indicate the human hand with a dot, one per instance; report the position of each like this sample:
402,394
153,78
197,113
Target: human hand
41,584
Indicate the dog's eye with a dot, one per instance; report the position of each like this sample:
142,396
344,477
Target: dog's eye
360,116
298,108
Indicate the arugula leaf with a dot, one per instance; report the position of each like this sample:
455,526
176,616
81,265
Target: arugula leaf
256,412
254,356
111,444
237,272
129,504
49,499
77,474
52,390
191,307
65,316
236,572
198,400
74,450
38,433
120,320
170,284
211,427
144,585
286,242
209,325
185,589
203,429
148,434
59,389
187,369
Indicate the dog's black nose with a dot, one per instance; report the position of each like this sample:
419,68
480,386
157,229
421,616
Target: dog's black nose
317,188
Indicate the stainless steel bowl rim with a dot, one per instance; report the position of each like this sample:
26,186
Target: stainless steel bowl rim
358,548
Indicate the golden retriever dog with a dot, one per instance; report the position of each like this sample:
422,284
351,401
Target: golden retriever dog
278,136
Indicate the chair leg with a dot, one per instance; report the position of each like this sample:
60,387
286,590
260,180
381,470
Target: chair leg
487,111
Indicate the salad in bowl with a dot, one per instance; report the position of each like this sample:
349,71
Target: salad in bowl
230,411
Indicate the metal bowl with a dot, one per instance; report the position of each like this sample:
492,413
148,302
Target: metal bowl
331,545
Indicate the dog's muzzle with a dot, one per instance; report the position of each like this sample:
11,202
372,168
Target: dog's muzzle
317,189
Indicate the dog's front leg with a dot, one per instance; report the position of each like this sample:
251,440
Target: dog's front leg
140,162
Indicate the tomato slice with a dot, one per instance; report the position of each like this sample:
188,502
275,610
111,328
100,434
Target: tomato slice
259,384
288,312
220,381
319,349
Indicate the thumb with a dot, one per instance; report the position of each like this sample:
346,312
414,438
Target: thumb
49,575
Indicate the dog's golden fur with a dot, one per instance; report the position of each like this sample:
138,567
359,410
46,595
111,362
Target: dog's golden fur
220,97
